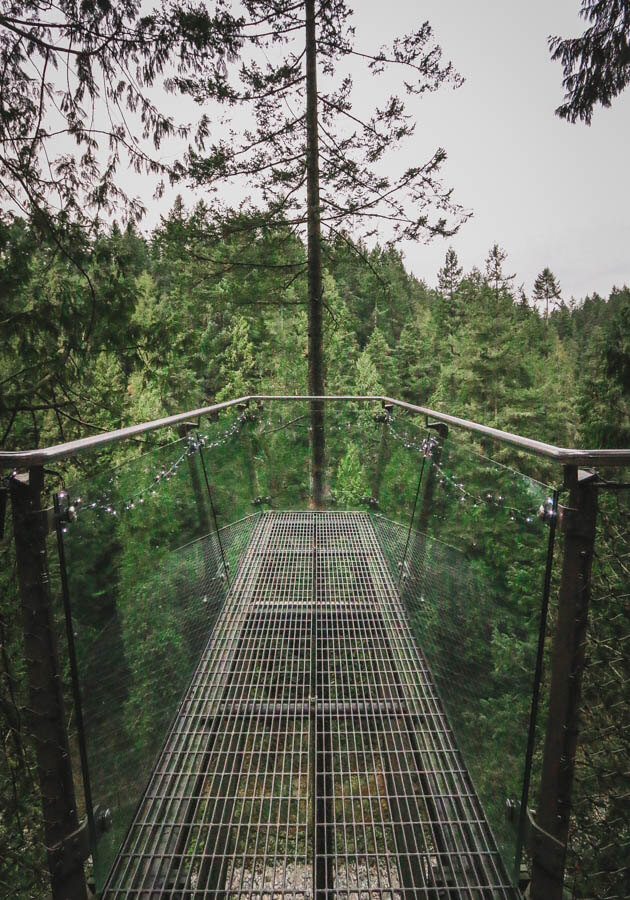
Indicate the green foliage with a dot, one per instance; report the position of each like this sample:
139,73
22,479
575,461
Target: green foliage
351,482
547,289
174,322
595,66
62,138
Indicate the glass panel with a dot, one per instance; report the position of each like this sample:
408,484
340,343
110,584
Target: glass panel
146,579
471,576
365,468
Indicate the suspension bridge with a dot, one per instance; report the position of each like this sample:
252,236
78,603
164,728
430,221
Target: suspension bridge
306,703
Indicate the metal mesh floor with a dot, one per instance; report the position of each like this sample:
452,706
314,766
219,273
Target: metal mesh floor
311,757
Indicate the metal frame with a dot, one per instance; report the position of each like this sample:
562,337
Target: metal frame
47,720
561,455
311,757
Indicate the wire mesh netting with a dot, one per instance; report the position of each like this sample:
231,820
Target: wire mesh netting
598,863
149,555
148,564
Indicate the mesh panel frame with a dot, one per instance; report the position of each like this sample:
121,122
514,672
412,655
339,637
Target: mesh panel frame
311,757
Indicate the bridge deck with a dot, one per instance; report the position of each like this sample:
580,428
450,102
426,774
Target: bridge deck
311,757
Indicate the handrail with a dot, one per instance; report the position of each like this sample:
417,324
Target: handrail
561,455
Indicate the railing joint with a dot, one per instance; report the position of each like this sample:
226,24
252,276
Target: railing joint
547,849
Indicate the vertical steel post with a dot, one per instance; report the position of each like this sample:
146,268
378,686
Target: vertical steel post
426,484
381,459
248,433
429,482
551,827
47,721
183,431
533,712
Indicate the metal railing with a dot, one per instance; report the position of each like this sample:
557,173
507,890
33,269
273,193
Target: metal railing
561,455
414,483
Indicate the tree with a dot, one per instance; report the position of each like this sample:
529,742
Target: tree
449,276
547,289
311,161
596,66
74,98
495,276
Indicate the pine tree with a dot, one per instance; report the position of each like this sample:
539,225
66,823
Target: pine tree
495,277
449,276
547,290
596,66
312,162
75,81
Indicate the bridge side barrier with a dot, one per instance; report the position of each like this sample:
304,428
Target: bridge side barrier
375,461
470,563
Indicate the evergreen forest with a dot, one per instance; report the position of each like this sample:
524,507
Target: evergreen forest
161,323
135,327
299,288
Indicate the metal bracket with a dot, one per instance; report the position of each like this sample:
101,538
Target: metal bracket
64,511
440,427
428,445
385,414
546,510
76,848
189,426
544,847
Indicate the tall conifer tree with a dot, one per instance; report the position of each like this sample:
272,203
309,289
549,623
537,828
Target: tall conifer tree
449,276
312,162
547,289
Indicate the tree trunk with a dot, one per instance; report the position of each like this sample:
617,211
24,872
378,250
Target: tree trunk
315,354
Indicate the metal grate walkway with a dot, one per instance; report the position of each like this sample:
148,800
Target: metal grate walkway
311,757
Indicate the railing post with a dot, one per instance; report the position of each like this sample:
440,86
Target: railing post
65,842
248,431
385,417
183,431
551,827
426,482
435,457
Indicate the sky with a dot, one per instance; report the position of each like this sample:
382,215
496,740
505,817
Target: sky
549,193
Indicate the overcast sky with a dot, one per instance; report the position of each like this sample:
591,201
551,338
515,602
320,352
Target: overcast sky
550,193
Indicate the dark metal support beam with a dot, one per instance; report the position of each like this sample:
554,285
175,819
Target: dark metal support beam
550,831
47,719
324,849
434,457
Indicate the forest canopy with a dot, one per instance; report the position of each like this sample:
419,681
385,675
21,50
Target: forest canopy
178,321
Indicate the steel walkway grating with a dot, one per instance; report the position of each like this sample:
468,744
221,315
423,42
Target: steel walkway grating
311,757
